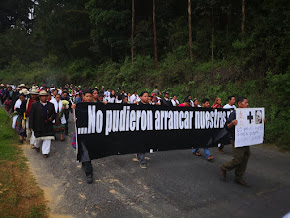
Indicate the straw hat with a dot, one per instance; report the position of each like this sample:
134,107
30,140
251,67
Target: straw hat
43,92
24,91
22,86
34,91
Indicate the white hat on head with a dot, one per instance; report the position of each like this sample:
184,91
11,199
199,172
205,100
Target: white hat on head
34,91
43,92
24,91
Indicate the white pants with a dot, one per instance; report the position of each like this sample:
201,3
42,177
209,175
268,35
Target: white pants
45,145
32,138
29,134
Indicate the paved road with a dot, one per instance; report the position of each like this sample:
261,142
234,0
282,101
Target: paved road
176,184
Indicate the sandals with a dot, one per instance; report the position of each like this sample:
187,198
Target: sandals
197,153
210,158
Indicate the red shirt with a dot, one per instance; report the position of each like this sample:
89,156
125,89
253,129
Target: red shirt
182,105
29,106
217,106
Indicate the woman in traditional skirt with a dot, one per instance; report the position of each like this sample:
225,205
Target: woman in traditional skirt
60,121
19,127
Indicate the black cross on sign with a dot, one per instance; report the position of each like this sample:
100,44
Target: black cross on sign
250,117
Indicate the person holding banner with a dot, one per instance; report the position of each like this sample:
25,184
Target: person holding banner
83,154
241,154
141,156
195,151
230,105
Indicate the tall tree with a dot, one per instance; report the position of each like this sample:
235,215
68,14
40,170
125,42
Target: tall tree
212,35
133,31
243,19
155,36
190,30
13,11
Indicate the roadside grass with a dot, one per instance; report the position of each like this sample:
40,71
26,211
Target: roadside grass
20,196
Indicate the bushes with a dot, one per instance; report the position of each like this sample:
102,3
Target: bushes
278,91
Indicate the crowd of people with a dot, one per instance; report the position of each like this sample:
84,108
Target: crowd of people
41,113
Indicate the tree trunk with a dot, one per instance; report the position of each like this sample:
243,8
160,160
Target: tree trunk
155,37
243,20
133,31
229,11
212,36
190,30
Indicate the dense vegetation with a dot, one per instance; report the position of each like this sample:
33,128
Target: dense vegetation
89,42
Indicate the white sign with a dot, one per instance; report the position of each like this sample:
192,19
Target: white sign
250,127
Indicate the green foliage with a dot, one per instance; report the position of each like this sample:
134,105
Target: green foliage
7,135
278,109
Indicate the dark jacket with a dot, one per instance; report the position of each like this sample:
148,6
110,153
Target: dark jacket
14,98
22,109
166,103
38,119
229,120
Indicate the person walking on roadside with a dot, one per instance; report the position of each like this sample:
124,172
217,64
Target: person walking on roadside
95,95
217,103
155,100
165,101
174,101
186,103
112,97
241,154
195,151
83,153
65,96
231,103
156,91
60,121
195,103
135,98
41,116
33,98
20,121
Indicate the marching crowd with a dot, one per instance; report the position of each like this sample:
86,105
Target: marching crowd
40,114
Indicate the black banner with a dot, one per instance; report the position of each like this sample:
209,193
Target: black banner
126,128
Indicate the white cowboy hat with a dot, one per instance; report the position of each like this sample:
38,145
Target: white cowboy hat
43,92
24,91
34,91
22,86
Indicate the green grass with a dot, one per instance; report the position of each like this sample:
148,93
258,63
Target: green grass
7,137
37,211
17,185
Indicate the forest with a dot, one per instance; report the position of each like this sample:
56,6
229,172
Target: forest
205,48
